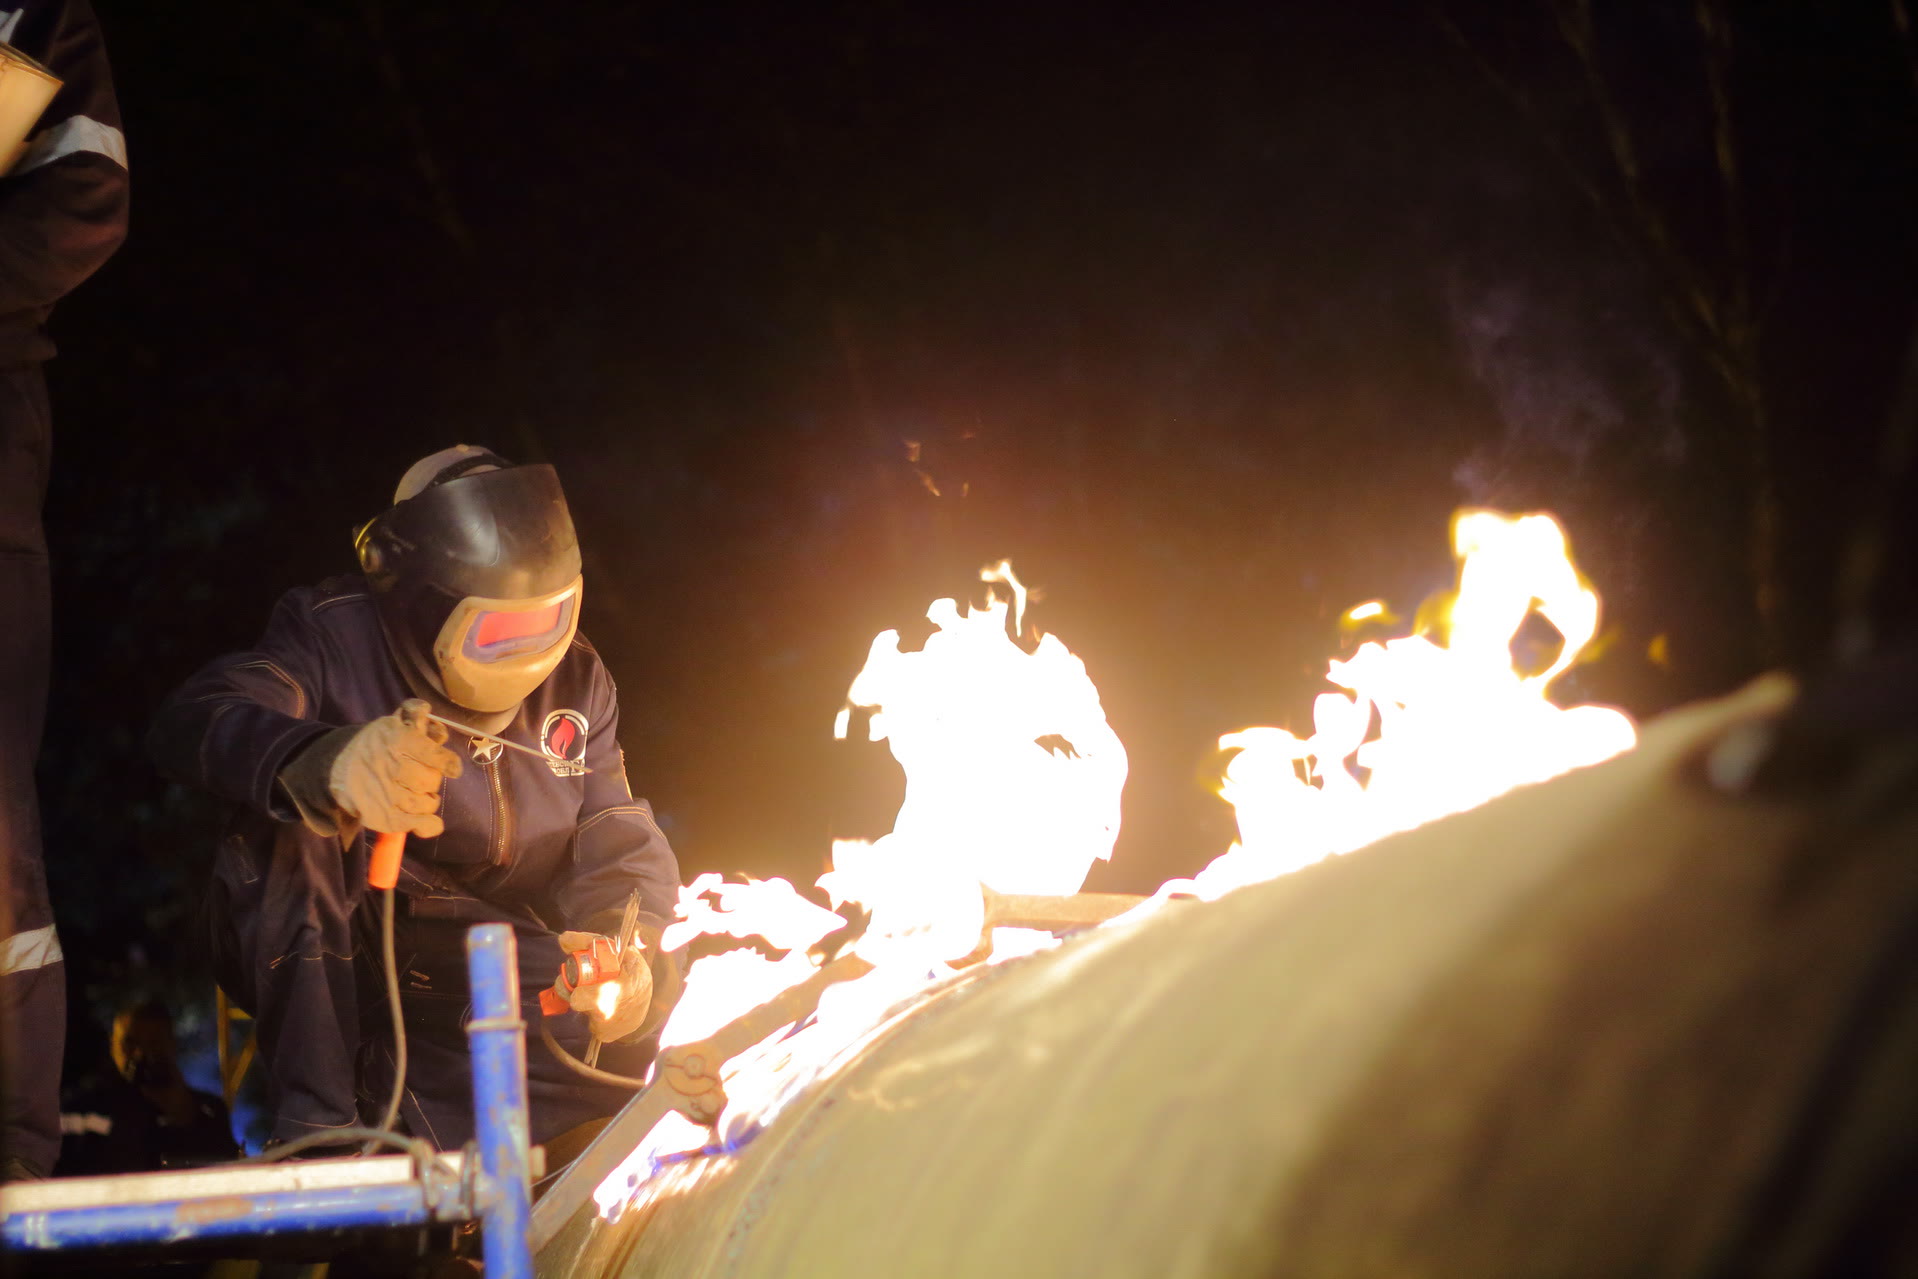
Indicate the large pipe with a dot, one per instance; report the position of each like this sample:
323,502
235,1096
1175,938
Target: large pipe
1579,1030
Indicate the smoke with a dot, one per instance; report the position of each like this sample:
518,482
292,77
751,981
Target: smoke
1576,374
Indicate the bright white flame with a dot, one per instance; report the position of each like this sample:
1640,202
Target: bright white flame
1013,776
720,987
1457,724
606,998
1013,782
769,908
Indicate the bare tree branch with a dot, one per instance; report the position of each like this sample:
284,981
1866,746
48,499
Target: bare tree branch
446,213
1715,27
1716,318
1901,23
1576,27
1741,328
1868,550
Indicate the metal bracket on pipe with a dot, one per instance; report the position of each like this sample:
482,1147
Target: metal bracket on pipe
1047,914
692,1070
1053,914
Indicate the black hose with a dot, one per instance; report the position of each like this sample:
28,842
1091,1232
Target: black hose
580,1068
399,1023
373,1137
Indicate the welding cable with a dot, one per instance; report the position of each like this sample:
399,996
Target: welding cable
580,1068
373,1137
399,1021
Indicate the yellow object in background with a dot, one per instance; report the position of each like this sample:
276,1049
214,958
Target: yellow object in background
26,88
1659,652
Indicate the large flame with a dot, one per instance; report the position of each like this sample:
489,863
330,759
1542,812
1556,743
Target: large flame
1456,724
1013,781
1013,776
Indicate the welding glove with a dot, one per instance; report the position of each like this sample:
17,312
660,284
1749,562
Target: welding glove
385,775
640,1010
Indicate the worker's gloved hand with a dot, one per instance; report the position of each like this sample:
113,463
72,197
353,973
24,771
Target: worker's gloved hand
616,1008
385,775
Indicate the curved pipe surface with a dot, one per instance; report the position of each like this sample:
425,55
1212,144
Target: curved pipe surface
1526,1039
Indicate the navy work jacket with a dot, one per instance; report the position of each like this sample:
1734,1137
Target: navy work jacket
527,841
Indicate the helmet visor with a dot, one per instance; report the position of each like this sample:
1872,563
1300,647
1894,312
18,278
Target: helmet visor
498,633
493,653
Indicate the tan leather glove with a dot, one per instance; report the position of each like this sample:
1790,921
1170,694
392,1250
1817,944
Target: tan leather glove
616,1009
385,774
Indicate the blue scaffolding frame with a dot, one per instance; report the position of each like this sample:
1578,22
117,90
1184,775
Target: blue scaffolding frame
240,1201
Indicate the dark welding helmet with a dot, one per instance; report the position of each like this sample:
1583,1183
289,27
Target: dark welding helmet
475,571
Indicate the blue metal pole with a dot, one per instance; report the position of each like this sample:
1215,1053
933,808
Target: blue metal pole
218,1217
498,1039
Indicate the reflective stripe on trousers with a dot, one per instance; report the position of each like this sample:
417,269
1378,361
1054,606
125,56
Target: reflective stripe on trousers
33,999
35,948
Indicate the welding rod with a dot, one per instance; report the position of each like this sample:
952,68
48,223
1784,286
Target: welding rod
488,737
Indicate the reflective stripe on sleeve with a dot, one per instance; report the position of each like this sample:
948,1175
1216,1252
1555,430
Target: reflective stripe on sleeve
80,1125
35,948
70,137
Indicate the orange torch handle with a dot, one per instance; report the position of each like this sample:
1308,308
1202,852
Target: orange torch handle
383,871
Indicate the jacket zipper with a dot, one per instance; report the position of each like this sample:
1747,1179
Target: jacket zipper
502,812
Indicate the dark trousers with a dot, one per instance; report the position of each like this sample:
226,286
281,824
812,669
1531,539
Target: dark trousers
436,1005
33,1000
296,938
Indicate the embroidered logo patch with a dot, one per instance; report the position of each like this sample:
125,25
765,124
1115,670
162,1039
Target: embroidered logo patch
562,739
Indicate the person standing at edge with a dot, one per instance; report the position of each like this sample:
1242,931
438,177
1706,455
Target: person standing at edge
467,608
63,212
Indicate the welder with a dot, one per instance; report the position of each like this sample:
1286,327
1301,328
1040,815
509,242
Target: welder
63,212
329,733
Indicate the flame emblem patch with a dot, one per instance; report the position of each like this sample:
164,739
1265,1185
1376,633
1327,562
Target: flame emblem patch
562,739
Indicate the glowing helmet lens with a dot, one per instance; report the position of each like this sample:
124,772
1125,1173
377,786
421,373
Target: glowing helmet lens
491,654
498,634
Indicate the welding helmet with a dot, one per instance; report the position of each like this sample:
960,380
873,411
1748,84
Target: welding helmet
476,575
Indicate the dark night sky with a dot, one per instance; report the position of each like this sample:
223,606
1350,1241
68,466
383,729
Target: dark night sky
1214,315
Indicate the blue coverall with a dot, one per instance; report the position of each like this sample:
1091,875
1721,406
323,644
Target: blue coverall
295,927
